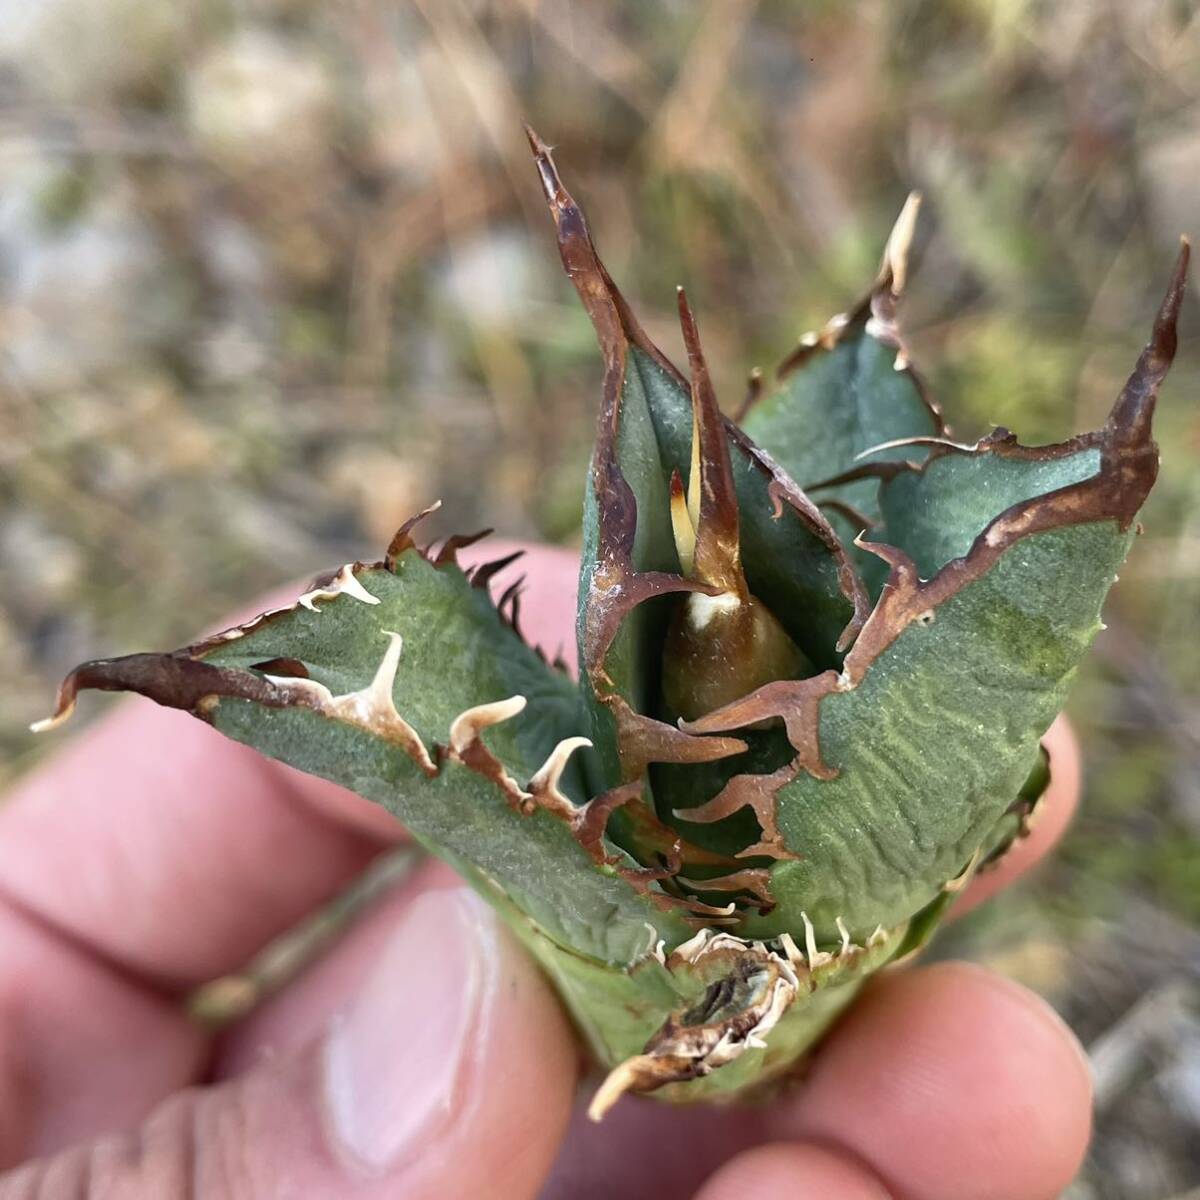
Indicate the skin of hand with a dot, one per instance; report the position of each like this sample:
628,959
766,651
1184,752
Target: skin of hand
423,1056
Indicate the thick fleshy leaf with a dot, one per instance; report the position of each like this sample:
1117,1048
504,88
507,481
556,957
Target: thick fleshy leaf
403,683
909,758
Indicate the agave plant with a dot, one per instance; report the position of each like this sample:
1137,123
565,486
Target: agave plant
818,648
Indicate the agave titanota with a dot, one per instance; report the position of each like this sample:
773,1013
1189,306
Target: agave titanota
818,649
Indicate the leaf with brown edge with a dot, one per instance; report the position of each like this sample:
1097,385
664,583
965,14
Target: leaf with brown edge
422,699
629,562
909,758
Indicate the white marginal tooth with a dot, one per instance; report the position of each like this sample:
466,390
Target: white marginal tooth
810,938
896,254
466,726
353,586
374,705
617,1082
345,581
372,708
793,952
690,950
788,971
841,926
549,774
816,957
377,695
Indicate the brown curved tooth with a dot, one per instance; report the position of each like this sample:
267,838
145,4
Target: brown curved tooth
1133,413
711,495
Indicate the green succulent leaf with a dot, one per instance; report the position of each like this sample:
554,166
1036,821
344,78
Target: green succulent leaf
909,758
402,682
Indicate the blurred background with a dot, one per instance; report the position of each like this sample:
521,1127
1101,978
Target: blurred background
276,273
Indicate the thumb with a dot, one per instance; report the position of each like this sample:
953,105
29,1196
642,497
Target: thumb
449,1073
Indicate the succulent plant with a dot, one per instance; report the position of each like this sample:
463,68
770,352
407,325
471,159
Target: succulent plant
818,648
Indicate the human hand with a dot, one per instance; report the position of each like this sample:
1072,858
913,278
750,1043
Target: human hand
423,1055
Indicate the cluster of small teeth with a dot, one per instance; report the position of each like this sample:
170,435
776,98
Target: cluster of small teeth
808,959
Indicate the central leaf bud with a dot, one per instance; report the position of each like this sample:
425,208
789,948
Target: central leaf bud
724,644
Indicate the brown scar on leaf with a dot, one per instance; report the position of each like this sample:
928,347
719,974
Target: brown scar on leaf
875,314
759,794
589,824
1127,471
751,988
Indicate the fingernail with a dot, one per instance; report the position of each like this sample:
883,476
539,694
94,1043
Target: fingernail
396,1060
